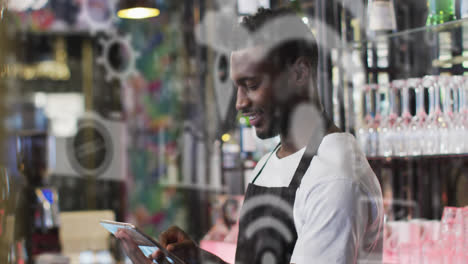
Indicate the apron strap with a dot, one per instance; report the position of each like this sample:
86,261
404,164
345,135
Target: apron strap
310,152
301,170
266,161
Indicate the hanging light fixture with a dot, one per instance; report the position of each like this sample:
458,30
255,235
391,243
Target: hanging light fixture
137,9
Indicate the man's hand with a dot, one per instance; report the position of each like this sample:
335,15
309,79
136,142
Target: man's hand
131,249
176,241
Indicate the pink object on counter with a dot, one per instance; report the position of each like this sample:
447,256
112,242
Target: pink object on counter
409,253
390,247
226,251
465,227
428,241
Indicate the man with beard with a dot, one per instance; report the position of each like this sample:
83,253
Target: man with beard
314,198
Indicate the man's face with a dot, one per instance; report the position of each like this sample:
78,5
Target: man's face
255,92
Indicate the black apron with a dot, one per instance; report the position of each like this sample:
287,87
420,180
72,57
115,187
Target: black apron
267,233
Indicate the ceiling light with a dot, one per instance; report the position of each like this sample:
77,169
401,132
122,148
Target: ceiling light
137,9
226,137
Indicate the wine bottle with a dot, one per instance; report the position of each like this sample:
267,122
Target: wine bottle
440,11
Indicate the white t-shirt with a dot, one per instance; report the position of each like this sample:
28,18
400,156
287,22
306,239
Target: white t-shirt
338,211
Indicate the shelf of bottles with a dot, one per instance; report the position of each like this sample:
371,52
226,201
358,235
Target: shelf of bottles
428,241
438,125
383,102
417,32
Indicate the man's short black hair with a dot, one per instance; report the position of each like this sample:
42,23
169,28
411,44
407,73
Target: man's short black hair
283,32
254,22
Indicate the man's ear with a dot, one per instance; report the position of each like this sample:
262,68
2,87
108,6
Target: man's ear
301,71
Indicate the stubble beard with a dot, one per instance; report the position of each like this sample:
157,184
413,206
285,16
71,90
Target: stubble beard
277,124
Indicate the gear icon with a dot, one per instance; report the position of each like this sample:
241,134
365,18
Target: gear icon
132,55
99,15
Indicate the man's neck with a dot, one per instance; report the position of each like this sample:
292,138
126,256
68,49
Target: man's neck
290,146
287,148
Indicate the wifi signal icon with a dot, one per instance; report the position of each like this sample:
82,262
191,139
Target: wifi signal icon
269,229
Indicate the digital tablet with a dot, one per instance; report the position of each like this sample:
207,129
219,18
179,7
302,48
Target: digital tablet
146,244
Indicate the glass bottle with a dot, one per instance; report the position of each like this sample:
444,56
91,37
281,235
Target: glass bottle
464,8
440,11
381,16
398,126
432,136
458,131
382,111
417,121
364,133
445,118
462,119
387,135
374,121
402,124
378,118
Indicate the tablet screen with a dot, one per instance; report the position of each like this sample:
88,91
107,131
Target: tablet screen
146,245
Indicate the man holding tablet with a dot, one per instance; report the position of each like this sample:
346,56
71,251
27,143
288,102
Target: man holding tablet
314,198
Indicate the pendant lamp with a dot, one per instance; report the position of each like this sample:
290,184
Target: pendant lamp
137,9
